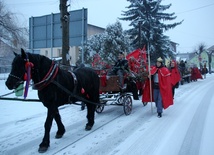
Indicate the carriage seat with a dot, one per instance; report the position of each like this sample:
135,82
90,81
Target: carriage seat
109,83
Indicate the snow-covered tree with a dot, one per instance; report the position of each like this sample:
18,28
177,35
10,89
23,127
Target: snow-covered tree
115,42
148,19
93,46
107,44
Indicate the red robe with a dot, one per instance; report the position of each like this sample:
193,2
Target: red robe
175,75
195,74
164,84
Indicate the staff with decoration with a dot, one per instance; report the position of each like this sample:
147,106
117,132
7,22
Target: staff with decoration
138,66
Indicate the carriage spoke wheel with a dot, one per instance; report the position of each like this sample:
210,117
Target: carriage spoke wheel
100,108
120,100
127,104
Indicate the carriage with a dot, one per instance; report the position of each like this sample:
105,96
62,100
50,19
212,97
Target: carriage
112,94
185,72
110,91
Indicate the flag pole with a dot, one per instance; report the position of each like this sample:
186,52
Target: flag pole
150,82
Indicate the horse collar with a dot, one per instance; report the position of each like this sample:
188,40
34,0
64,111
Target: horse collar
48,77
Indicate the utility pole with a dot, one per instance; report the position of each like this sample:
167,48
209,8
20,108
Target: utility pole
139,31
64,18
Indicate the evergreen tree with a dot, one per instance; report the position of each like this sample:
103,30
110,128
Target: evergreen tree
147,20
107,44
93,46
115,42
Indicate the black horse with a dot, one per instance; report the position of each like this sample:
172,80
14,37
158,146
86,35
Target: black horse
56,87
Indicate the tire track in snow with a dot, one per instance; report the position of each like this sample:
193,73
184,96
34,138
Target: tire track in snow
76,130
150,140
186,107
192,141
21,132
113,133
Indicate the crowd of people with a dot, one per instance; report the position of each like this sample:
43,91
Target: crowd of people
160,83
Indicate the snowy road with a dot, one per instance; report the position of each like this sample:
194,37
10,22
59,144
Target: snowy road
185,128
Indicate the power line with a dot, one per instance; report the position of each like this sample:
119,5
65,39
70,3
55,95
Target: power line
196,8
35,3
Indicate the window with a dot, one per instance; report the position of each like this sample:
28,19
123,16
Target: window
46,53
59,51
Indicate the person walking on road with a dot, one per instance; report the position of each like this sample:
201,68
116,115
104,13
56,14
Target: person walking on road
175,75
161,87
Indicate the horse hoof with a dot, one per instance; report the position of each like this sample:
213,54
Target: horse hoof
42,149
58,136
88,127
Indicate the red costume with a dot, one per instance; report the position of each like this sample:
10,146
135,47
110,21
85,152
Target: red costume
175,74
165,87
195,74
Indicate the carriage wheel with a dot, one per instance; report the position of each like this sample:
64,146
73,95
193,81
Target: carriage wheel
120,100
127,105
188,79
100,108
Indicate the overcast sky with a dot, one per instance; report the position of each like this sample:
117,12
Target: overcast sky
198,25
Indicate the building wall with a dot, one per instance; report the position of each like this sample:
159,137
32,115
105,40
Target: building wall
57,52
204,59
92,30
74,50
193,59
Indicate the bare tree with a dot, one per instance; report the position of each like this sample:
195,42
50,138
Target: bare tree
10,32
210,52
198,51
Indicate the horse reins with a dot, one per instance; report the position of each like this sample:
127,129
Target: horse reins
49,78
71,94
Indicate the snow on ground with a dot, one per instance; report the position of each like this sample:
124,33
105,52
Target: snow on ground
186,128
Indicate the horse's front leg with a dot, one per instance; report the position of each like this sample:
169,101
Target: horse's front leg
46,139
90,115
61,128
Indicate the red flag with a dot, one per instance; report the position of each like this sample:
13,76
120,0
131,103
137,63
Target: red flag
134,54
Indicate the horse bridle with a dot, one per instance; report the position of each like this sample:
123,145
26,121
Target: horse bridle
21,80
16,77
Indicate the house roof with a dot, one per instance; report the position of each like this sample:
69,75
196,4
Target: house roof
211,48
185,56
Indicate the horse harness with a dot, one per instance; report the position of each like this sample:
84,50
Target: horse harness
49,77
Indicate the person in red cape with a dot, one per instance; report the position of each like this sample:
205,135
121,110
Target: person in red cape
195,74
175,75
161,87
